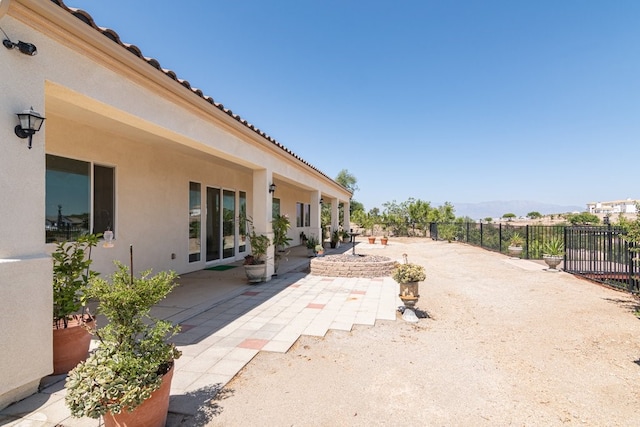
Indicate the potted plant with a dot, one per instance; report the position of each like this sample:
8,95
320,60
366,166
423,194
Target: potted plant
71,327
409,276
553,252
335,238
319,249
384,239
281,225
515,245
127,378
255,265
311,244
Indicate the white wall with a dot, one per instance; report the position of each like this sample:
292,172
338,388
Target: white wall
152,193
105,105
25,269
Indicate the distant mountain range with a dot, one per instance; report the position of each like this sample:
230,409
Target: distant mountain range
496,209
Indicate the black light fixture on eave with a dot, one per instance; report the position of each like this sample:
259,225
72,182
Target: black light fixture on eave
30,123
321,200
272,188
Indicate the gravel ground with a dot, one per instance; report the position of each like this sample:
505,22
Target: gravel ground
506,343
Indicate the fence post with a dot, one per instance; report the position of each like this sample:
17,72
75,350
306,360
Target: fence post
564,237
633,285
526,241
500,238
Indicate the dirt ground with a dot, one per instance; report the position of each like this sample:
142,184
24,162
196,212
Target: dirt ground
506,343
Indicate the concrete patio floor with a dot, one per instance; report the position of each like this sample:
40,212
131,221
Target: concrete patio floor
225,322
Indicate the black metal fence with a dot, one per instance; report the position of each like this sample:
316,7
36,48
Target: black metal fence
596,253
603,255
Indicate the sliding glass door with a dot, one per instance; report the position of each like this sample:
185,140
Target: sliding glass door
213,224
229,223
221,223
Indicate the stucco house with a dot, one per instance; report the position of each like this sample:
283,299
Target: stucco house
614,207
130,147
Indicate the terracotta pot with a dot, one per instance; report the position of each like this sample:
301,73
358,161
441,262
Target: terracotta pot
384,240
372,240
152,412
71,345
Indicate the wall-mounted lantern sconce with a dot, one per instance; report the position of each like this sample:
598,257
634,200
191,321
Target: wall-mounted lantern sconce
30,123
321,200
26,48
272,188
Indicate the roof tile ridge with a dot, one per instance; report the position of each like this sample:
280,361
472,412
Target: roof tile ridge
113,35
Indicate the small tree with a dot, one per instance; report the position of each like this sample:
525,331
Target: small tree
71,277
509,216
583,218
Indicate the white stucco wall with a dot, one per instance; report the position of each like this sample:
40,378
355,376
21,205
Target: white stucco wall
105,105
25,269
152,193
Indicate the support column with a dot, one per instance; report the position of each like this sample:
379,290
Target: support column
316,208
346,216
335,209
263,212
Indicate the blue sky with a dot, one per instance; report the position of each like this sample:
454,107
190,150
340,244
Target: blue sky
460,101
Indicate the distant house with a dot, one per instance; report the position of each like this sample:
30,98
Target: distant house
615,207
130,147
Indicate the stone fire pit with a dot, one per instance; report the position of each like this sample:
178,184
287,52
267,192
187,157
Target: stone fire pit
344,265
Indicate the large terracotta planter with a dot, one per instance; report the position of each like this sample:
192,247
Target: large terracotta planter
152,412
71,345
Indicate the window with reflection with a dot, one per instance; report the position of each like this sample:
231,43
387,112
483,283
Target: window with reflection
307,215
229,223
299,214
195,221
242,221
69,209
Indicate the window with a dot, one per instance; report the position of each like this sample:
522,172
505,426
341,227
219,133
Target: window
229,223
299,214
307,215
243,221
195,221
80,198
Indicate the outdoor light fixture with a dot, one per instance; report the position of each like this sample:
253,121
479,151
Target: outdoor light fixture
30,123
26,48
272,188
108,239
321,200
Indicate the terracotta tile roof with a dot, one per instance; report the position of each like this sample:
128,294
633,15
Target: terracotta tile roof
111,34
